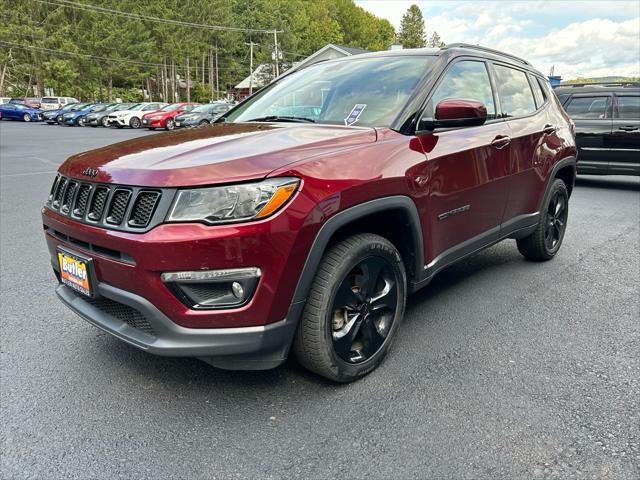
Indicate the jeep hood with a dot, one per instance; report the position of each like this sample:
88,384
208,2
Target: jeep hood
218,153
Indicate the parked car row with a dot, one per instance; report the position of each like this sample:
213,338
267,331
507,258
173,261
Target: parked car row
152,115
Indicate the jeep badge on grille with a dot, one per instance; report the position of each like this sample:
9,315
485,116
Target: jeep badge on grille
90,172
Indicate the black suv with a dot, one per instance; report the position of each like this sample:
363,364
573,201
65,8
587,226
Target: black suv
607,118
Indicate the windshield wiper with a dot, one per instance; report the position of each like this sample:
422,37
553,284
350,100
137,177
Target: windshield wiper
282,118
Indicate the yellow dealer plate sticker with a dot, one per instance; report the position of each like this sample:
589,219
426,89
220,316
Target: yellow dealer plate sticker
74,272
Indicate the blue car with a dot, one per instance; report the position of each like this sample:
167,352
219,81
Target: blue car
75,117
17,111
51,116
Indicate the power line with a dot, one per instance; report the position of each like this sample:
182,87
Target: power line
95,57
110,11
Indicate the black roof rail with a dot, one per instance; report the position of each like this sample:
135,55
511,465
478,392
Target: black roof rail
600,84
485,49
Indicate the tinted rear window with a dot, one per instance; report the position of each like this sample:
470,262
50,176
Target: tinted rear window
50,100
588,107
516,97
629,107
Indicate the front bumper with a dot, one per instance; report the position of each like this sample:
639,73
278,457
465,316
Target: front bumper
135,320
121,121
153,123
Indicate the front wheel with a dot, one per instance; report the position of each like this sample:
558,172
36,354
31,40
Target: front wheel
354,308
545,241
105,122
135,123
170,125
26,117
203,122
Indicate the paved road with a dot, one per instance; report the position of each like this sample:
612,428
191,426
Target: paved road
503,368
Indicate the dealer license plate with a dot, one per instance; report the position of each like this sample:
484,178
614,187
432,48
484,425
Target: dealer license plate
75,272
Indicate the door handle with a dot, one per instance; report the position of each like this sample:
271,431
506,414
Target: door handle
501,141
548,129
629,128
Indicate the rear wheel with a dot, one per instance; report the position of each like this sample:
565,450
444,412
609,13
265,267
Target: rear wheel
170,124
134,122
104,122
26,117
80,122
545,241
203,122
354,308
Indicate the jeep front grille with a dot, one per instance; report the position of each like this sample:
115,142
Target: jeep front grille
117,207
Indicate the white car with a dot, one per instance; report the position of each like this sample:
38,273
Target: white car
4,100
132,117
56,103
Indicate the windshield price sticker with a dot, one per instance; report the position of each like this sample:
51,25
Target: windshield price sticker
356,111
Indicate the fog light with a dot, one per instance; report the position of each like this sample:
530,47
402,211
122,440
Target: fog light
237,290
211,289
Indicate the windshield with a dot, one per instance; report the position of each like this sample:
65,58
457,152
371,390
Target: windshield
366,92
99,108
203,109
172,107
79,106
125,106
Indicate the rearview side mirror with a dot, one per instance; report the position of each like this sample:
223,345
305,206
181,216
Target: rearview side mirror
452,113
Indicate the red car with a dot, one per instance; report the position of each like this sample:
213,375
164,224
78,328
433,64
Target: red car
303,218
165,118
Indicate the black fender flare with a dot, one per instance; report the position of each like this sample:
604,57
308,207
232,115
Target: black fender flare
340,219
567,161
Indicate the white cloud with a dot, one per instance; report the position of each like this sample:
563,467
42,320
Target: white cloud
581,38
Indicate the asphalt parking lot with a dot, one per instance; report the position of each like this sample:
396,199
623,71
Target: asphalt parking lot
503,368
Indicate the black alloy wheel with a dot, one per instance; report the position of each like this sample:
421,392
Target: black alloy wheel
556,221
353,309
363,310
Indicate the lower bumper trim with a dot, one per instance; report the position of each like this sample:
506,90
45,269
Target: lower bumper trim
256,348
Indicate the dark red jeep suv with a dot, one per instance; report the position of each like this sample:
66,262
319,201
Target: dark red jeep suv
303,217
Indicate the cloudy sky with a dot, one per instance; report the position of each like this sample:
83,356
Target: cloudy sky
581,38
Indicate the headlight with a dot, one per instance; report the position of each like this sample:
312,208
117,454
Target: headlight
232,203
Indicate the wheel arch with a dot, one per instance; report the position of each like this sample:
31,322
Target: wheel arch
565,170
395,218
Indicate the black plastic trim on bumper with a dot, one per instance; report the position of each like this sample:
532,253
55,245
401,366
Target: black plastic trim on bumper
255,348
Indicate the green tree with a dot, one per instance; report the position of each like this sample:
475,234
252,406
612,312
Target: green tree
411,33
435,41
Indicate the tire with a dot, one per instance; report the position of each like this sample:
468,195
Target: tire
79,122
203,122
325,343
59,119
104,122
151,128
545,241
26,117
169,124
135,123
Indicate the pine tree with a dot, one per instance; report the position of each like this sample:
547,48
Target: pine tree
435,41
411,33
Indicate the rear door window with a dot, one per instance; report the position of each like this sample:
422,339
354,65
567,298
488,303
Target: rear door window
629,107
466,80
516,97
591,107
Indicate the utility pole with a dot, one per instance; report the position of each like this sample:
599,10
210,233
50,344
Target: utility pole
251,45
188,75
217,89
275,50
